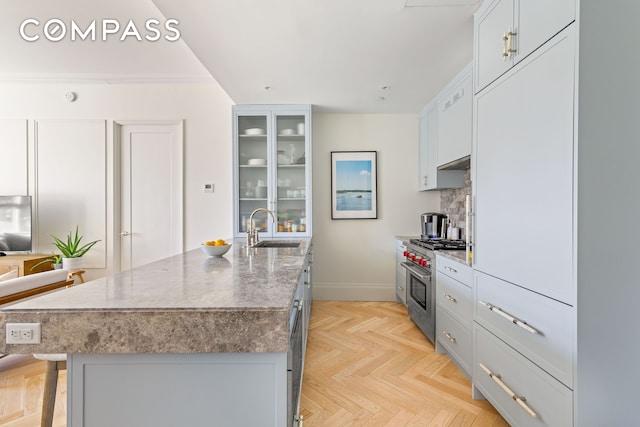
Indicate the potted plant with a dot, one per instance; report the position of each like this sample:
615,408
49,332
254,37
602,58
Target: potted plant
71,250
55,260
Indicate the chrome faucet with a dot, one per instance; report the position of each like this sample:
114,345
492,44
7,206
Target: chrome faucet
252,234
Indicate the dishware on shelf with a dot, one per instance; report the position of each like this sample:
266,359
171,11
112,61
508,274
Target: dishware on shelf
254,131
287,132
261,192
300,128
257,162
215,251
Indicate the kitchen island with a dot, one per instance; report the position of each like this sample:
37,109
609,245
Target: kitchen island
187,340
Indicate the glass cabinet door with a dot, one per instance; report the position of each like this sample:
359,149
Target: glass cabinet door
290,176
253,166
272,156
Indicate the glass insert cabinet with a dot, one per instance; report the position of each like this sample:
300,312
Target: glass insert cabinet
272,158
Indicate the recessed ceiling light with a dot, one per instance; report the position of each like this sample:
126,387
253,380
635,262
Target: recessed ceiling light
381,98
386,87
267,88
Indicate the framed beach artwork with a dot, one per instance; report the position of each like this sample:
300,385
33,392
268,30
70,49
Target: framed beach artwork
354,185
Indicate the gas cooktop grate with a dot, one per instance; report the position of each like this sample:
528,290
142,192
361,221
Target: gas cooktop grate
440,244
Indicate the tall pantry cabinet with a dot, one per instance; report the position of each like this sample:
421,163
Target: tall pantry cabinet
272,158
556,99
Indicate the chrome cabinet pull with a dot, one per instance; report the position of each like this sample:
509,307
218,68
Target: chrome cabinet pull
449,337
450,298
509,317
453,270
520,400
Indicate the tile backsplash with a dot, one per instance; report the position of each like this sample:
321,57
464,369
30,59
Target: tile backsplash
452,202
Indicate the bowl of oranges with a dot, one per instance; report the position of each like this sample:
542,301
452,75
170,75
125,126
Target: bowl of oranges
215,248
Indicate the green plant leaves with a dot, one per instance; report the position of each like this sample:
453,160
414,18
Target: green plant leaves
71,248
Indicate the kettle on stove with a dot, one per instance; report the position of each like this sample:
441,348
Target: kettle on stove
433,225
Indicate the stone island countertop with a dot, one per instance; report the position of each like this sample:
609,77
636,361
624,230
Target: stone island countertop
187,303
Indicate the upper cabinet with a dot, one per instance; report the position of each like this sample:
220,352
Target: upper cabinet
455,107
430,178
272,157
509,30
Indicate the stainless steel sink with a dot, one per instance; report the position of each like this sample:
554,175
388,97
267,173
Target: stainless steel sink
275,244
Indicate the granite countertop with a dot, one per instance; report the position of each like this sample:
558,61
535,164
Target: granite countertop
459,256
187,303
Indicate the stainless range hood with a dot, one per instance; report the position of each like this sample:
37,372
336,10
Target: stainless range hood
460,164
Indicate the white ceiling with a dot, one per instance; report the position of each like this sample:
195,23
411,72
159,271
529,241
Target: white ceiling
334,54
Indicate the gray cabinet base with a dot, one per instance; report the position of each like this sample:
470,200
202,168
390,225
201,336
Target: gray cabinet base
225,389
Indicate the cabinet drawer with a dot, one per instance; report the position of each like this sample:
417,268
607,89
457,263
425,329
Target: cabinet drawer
455,337
540,328
551,401
457,270
456,297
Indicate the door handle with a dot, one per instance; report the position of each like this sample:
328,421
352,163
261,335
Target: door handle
124,233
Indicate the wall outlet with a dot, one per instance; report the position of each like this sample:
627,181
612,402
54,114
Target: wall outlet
208,188
23,333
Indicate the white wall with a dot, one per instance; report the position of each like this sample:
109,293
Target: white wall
205,109
355,259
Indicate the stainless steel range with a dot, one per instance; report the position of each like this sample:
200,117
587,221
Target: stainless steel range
420,263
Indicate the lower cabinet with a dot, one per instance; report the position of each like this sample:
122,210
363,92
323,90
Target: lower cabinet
454,311
401,273
524,394
523,351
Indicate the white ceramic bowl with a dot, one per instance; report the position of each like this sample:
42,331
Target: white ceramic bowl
254,131
257,162
216,250
286,132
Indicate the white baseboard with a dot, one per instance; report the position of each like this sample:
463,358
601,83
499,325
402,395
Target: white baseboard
354,292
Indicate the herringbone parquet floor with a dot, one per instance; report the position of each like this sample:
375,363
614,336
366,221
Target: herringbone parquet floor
367,364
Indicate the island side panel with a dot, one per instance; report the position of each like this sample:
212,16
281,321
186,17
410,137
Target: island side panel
226,389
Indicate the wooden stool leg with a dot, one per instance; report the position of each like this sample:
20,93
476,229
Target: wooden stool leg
49,398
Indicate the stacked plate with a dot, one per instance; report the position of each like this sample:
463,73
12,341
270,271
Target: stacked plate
286,132
257,162
254,131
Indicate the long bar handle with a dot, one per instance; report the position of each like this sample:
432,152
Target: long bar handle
505,55
509,317
450,298
520,400
510,36
453,270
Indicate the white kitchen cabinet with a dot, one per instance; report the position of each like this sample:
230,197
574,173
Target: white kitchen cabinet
401,273
524,394
599,279
509,30
455,118
272,158
454,311
524,172
430,178
538,327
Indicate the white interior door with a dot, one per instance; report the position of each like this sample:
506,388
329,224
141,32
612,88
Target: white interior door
151,193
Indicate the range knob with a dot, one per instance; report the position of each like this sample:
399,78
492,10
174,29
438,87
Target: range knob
413,257
423,262
405,253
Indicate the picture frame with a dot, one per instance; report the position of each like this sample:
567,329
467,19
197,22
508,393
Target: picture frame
354,185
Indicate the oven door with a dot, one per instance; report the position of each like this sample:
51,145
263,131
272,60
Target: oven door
421,299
